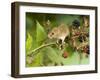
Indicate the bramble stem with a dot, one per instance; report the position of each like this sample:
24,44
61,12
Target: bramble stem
44,45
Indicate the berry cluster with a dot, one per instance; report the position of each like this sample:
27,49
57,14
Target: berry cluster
80,37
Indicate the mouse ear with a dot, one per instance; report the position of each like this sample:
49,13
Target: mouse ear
55,29
62,24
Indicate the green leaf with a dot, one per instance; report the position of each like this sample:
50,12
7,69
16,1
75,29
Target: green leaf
72,60
85,60
40,33
28,42
37,60
52,55
29,23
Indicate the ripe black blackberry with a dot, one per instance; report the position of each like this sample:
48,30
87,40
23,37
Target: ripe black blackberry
81,38
88,49
76,23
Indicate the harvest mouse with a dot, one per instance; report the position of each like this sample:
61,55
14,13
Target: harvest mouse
59,33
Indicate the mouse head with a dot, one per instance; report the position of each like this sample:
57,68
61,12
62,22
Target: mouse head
53,33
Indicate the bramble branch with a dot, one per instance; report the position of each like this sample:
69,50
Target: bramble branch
40,47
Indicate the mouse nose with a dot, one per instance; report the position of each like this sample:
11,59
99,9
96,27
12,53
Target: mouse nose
50,36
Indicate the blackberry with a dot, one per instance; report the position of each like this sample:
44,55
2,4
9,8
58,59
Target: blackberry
88,49
76,23
65,55
87,35
81,38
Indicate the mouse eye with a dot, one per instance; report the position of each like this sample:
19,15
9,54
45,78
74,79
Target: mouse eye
52,33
